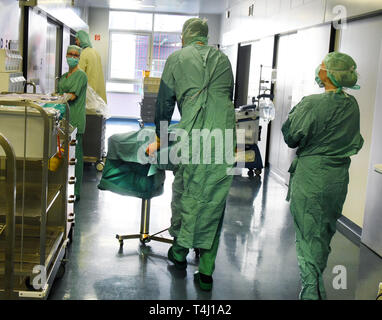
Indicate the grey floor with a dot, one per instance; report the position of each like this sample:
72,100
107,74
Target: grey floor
256,258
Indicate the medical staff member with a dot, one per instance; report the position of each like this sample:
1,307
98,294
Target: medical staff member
90,62
75,83
199,78
325,129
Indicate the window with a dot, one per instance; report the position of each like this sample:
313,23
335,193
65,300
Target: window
138,42
163,45
129,55
169,23
124,20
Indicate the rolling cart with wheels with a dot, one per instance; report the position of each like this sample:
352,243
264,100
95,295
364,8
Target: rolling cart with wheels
247,118
94,140
35,234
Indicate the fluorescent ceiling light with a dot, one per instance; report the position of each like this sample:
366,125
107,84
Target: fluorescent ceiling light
68,17
126,4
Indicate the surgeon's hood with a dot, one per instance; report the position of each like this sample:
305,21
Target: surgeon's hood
195,30
84,39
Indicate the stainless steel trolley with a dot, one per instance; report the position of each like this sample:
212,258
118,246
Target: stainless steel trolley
38,219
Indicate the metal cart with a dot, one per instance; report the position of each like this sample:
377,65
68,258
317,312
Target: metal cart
36,221
94,140
247,118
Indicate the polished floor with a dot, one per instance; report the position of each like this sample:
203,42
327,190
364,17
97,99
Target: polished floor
256,258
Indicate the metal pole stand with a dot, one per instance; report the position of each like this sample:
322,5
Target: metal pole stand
144,235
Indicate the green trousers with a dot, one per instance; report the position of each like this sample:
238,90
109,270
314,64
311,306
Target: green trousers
312,254
207,257
79,171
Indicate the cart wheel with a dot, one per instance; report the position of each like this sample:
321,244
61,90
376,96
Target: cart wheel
28,284
70,235
258,172
251,173
99,166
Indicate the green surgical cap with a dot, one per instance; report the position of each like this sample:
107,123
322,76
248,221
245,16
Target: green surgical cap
84,39
195,29
75,48
341,70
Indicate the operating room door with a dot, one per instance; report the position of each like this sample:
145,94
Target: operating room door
297,58
242,75
280,156
53,56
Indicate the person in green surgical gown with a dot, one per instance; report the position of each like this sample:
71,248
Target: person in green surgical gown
75,83
325,129
199,78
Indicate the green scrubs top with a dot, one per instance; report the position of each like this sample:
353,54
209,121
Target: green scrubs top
77,84
325,129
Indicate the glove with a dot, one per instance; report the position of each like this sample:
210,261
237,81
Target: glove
153,147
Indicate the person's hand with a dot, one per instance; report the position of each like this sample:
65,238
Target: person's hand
153,147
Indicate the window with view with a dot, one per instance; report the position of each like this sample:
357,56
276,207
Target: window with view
138,42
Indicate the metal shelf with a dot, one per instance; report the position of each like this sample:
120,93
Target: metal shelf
31,249
32,200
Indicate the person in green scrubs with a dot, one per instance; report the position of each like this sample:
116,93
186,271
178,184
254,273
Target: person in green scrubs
325,129
75,83
199,78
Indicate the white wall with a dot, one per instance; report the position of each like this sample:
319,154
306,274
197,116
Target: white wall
371,233
270,17
279,16
9,28
99,24
358,36
214,21
282,16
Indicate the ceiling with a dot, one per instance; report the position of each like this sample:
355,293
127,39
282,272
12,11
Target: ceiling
170,6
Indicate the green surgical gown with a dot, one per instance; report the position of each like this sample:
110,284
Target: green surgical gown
325,129
76,83
199,78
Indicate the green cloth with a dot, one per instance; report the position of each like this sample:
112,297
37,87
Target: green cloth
84,39
199,78
60,107
125,172
207,256
76,83
79,169
326,130
194,29
341,70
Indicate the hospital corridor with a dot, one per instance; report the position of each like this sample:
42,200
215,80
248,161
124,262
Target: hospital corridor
189,157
